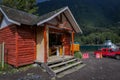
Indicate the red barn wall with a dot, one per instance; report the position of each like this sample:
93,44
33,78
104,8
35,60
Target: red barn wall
26,45
20,45
7,35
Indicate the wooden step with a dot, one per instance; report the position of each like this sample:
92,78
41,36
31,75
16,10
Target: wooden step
62,63
71,70
66,67
59,61
50,71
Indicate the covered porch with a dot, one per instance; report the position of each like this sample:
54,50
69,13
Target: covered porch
55,36
54,45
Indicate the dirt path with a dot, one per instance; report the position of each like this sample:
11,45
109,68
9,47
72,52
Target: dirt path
96,69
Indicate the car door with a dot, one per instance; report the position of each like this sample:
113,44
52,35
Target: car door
104,52
110,52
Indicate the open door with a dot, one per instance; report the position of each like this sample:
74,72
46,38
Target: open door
55,44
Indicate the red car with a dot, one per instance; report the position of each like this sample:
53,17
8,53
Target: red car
108,52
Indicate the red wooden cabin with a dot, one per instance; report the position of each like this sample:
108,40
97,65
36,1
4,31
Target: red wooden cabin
30,38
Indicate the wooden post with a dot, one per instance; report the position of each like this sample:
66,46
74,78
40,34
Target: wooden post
63,52
45,44
72,43
2,55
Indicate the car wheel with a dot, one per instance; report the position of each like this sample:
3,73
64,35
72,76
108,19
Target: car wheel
117,56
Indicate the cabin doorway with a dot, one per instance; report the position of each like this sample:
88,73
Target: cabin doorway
55,44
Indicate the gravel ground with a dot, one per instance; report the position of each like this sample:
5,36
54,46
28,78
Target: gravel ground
95,69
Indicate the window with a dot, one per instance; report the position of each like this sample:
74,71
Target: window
110,50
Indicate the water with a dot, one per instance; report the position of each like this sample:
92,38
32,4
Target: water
85,48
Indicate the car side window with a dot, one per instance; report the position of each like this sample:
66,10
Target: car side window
104,50
110,50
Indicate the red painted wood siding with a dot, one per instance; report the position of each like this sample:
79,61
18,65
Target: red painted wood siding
26,45
20,45
7,35
66,41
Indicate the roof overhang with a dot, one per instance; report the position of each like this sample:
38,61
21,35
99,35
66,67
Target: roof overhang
41,21
69,13
10,20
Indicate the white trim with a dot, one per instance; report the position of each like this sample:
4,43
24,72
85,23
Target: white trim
39,23
74,20
10,20
5,27
5,22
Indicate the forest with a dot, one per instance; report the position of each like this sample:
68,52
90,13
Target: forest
98,19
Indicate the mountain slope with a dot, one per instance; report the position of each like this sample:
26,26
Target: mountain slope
92,15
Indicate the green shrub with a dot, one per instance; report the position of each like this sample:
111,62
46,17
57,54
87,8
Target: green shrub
78,54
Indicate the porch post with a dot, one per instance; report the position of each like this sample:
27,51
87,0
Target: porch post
72,43
45,43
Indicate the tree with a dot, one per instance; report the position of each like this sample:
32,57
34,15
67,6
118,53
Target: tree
24,5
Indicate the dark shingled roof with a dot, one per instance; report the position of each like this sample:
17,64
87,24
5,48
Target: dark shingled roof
20,16
26,18
50,14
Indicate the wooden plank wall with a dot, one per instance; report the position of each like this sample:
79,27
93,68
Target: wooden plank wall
7,35
20,45
66,43
26,45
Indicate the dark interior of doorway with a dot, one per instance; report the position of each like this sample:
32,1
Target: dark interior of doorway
54,42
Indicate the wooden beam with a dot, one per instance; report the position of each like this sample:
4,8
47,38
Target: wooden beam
50,24
61,18
52,30
72,43
53,26
62,25
57,18
68,21
45,43
57,25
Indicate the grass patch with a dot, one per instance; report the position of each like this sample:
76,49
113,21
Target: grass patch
78,54
8,69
